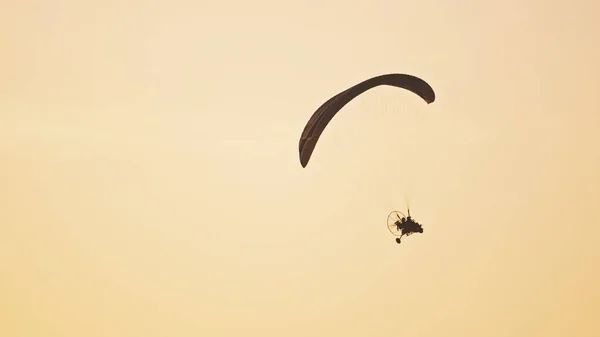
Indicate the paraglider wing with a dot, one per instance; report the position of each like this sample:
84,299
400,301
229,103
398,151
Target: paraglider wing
319,120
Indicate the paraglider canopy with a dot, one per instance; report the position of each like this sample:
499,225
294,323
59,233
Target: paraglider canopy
323,115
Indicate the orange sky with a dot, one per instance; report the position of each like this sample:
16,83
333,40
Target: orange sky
152,186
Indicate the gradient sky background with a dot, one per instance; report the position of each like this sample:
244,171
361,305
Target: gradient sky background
151,184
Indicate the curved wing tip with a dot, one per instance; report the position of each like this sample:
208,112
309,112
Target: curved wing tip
303,162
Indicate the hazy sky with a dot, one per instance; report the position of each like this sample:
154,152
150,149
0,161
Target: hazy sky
151,185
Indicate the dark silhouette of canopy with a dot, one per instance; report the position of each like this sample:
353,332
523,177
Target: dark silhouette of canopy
319,120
